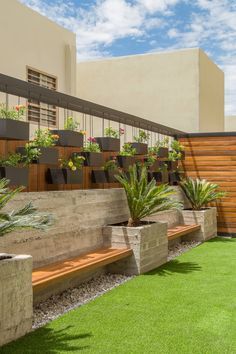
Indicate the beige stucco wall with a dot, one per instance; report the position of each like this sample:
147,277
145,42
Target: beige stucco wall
230,123
29,39
162,87
211,95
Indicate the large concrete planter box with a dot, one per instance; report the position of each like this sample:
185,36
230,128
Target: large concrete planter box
149,244
108,144
14,129
69,138
206,218
18,176
16,299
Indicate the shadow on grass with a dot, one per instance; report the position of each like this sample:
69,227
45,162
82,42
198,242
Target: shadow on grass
222,239
47,340
176,266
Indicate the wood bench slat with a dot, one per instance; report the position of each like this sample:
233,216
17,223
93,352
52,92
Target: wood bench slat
181,230
96,259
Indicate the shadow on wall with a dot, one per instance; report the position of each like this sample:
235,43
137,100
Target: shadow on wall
47,340
175,266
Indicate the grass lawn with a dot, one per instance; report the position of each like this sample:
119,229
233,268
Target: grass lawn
186,306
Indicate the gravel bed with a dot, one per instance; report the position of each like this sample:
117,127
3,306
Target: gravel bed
180,248
57,305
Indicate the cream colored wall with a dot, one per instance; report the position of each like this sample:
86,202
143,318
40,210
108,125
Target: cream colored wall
211,95
230,124
162,87
29,39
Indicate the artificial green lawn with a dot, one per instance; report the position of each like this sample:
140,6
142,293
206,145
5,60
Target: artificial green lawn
186,306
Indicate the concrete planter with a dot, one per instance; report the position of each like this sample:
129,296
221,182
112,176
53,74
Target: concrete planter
108,144
149,244
206,218
69,138
141,148
16,308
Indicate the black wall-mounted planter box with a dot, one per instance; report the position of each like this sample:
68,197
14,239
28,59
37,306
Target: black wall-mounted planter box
125,161
69,138
108,144
141,148
94,159
161,176
163,152
14,129
18,176
172,165
49,155
155,166
99,176
64,176
110,176
174,178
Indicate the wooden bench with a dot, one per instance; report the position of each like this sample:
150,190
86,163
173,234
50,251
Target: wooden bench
44,276
181,230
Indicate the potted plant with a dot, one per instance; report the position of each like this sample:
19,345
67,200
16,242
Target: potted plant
111,141
175,176
69,173
69,136
14,169
140,144
178,148
161,174
200,193
44,141
11,125
161,148
147,239
173,160
111,169
92,153
16,270
151,161
126,156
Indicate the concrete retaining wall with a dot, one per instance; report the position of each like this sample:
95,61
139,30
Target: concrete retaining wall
79,217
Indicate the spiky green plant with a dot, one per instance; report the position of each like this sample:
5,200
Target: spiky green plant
145,198
200,192
26,217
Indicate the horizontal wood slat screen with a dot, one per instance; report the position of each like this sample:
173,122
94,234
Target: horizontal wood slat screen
214,158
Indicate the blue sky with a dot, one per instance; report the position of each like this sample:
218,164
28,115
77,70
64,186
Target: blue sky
107,28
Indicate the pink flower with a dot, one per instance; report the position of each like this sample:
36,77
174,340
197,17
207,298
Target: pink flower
122,131
91,139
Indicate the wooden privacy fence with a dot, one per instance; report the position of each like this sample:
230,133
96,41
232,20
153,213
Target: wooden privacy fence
213,156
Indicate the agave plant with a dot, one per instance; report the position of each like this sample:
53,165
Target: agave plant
145,198
26,217
200,192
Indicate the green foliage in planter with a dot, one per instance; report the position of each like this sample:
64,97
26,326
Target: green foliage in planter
15,113
127,150
74,164
111,165
71,124
91,145
23,218
142,137
17,159
113,133
200,192
176,146
44,138
145,198
174,155
151,159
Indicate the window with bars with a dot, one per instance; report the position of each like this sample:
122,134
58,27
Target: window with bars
39,112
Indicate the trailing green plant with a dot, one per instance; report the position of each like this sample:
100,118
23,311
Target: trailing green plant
163,143
127,150
112,133
31,153
15,113
74,164
142,137
177,146
174,155
71,124
200,192
145,198
151,159
91,145
23,218
111,165
12,159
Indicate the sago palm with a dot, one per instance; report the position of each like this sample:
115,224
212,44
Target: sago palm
26,217
201,192
144,198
